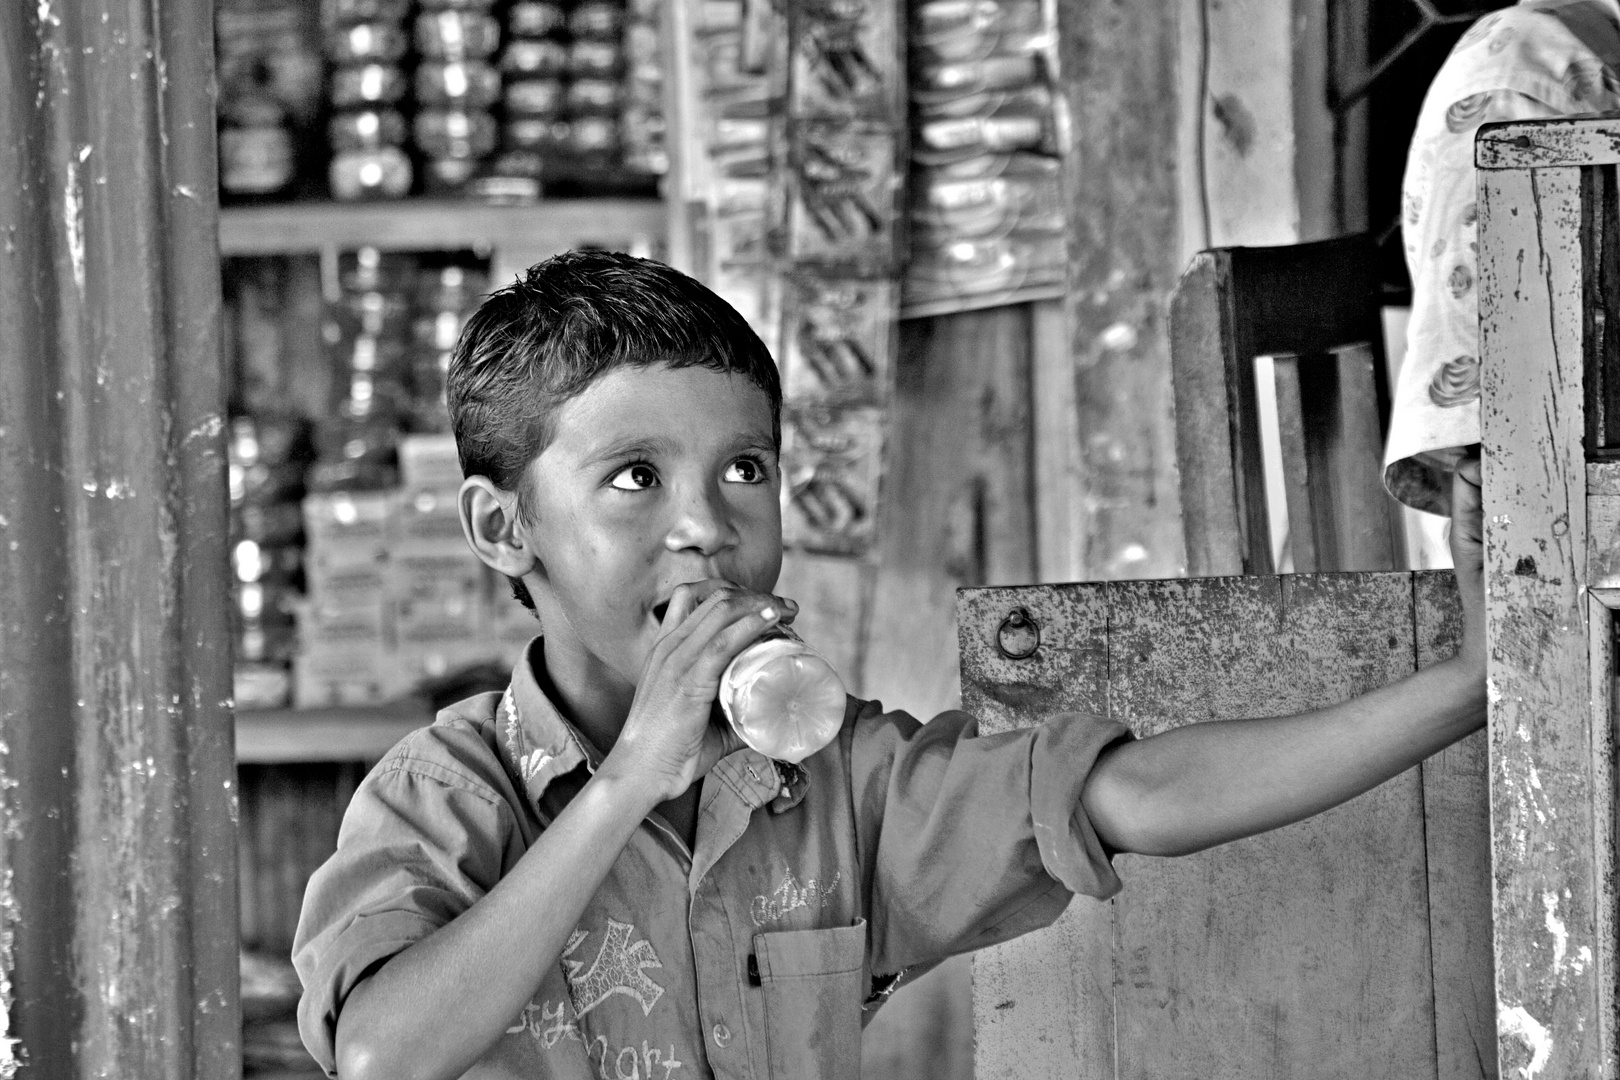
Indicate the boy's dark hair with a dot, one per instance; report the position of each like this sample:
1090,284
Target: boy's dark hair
543,339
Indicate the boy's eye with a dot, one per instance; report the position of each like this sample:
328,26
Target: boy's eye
637,477
745,471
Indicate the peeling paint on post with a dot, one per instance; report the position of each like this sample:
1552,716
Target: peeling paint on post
1551,743
117,844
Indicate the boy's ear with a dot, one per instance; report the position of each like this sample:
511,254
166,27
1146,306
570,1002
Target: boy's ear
489,520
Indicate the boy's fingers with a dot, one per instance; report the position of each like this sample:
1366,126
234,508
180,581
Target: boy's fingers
722,631
1469,469
734,637
681,604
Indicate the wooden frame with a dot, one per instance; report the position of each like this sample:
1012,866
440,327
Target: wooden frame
1546,248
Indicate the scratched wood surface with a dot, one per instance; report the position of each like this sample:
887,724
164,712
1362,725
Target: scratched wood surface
117,890
1554,886
1036,999
1305,952
1457,831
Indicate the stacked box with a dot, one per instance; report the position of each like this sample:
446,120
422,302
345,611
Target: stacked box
346,650
439,589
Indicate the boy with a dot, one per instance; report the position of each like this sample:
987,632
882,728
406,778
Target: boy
586,876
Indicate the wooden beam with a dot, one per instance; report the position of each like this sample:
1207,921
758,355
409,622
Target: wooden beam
118,885
1059,473
958,496
1573,142
1121,188
1552,794
1457,839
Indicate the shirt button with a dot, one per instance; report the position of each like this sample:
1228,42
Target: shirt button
722,1036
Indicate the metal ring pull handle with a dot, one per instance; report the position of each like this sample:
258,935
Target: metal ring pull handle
1019,635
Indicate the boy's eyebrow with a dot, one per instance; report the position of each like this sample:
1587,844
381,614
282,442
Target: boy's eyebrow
640,445
754,441
647,446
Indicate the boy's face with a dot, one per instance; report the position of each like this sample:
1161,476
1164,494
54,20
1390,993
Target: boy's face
656,476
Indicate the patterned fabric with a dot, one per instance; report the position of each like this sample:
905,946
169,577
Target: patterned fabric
1522,63
810,894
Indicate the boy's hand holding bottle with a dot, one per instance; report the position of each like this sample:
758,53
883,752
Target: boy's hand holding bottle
670,738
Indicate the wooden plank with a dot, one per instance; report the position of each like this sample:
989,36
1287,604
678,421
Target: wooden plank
1604,693
359,733
1602,478
958,502
1305,951
1293,440
442,225
1457,834
1206,430
1120,188
1561,143
1035,999
1603,541
927,309
1554,1005
1059,481
1352,514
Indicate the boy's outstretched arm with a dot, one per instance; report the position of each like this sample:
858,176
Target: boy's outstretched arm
1205,784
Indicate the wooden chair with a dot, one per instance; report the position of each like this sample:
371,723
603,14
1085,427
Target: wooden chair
1315,308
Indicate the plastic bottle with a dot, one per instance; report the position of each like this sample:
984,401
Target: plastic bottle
783,698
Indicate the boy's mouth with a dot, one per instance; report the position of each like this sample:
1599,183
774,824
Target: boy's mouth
659,610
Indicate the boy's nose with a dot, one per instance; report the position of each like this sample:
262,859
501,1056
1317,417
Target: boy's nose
701,524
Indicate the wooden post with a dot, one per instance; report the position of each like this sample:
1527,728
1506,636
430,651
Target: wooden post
117,865
1552,739
1121,186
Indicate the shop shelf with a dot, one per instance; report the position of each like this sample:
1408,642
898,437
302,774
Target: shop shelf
355,733
439,225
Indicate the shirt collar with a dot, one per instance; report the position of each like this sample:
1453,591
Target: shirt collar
539,746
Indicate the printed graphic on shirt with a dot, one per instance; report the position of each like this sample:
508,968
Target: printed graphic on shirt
792,895
548,1024
619,968
629,1063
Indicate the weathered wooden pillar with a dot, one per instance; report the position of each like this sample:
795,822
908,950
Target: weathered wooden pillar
117,872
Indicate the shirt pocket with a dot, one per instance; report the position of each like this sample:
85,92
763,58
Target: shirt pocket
813,981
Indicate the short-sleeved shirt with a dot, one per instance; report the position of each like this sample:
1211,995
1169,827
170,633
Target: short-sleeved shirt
1521,63
810,893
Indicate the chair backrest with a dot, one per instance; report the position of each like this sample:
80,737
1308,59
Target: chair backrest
1315,309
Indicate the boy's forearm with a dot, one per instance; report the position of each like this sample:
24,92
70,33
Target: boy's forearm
436,1008
1205,784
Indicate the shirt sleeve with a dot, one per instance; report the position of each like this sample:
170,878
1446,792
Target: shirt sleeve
968,840
423,838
